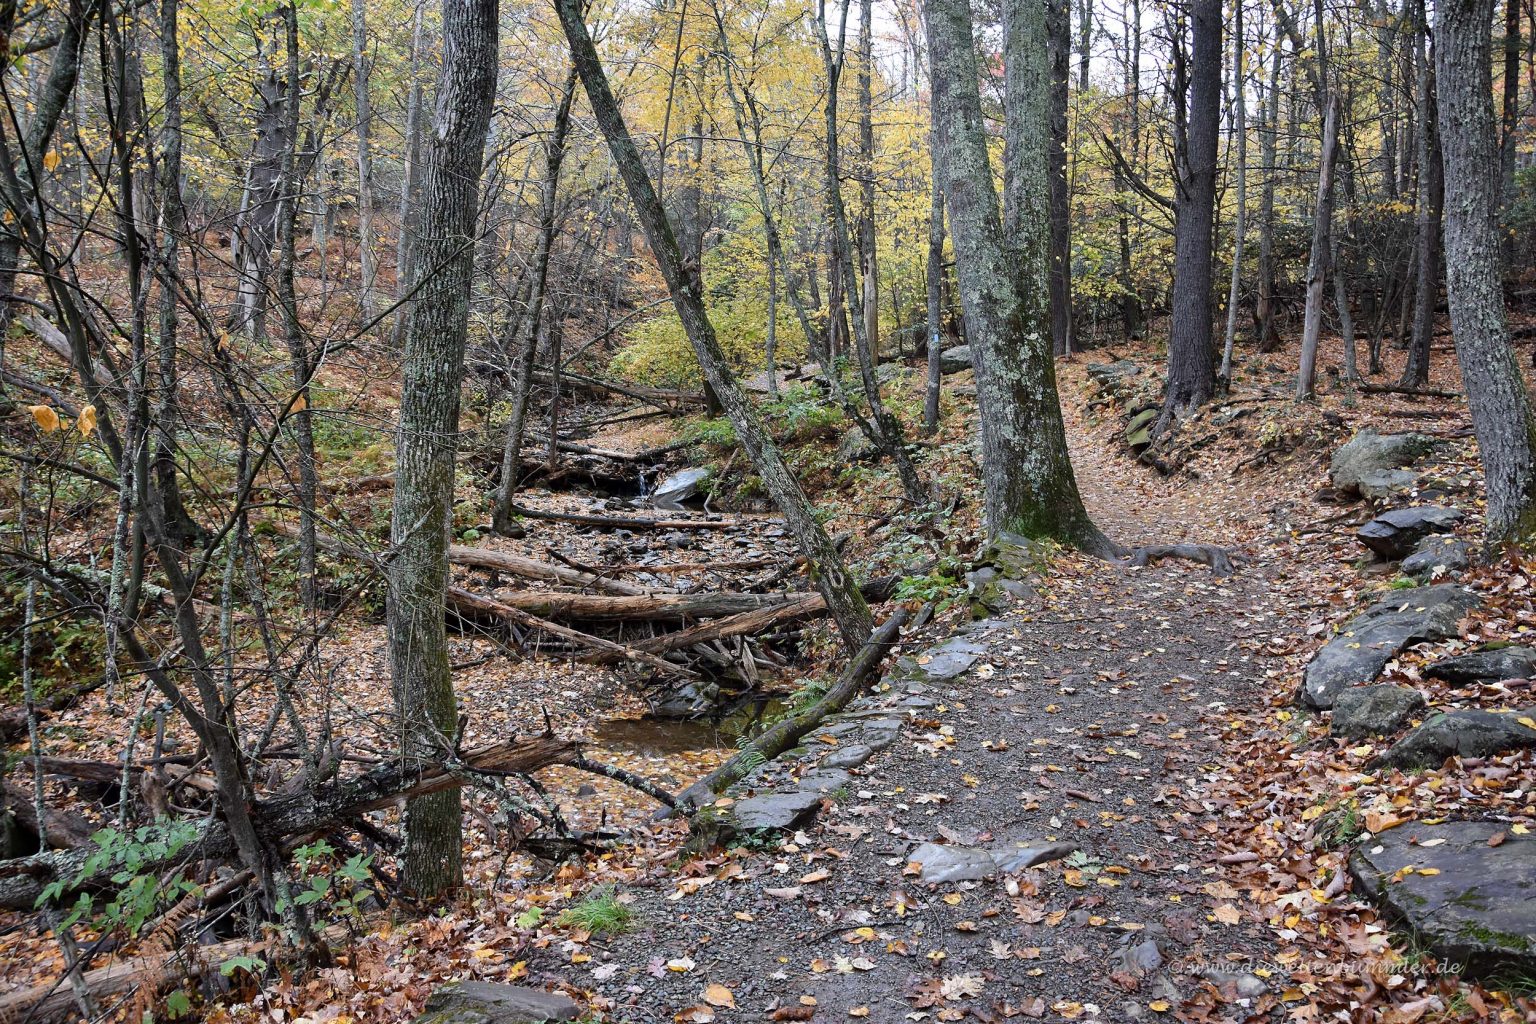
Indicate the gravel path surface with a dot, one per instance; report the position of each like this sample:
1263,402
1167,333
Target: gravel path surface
1093,719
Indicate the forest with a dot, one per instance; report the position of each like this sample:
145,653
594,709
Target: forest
794,510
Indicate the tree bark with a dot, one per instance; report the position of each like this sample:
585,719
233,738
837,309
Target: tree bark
934,278
847,606
1191,358
1317,262
1496,392
427,442
365,239
1239,230
1027,474
1427,221
1264,308
1059,31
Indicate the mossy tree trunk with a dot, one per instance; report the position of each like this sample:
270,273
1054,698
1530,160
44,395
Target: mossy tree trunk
1028,478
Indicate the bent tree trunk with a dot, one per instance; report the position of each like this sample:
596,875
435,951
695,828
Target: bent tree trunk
427,441
1496,392
1030,487
1322,248
844,601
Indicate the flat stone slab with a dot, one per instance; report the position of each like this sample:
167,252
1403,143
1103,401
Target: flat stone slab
1477,905
943,863
776,811
1469,733
1393,535
1371,639
1374,710
1485,666
851,756
942,662
481,1002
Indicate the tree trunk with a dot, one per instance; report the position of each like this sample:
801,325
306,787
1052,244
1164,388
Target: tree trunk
934,279
521,357
1264,308
846,604
360,69
1239,230
427,442
1496,392
1029,484
889,435
1317,262
1059,31
1431,198
410,185
1511,111
1191,357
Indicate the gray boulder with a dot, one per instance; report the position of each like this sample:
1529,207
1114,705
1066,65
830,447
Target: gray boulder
776,811
1490,665
941,863
1374,710
1470,733
1393,535
1371,639
1475,906
953,360
679,487
1371,464
1113,376
1437,552
855,447
481,1002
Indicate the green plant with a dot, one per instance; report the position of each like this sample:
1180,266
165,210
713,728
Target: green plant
1340,825
1403,583
600,913
716,433
337,889
934,586
131,860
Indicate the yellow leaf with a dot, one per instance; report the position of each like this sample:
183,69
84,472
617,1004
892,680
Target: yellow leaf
1226,913
299,404
51,160
517,970
719,996
1429,871
1527,721
485,953
1160,1005
87,421
46,418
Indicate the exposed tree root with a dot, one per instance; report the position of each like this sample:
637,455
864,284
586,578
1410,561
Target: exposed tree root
1218,558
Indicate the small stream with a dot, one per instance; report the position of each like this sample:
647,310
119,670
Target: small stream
653,736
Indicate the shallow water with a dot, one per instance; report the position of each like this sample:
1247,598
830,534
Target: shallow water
659,737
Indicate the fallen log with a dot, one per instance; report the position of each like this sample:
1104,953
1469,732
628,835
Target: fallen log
464,601
1399,389
151,973
488,558
64,829
639,608
631,522
301,815
746,624
640,392
792,728
533,569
